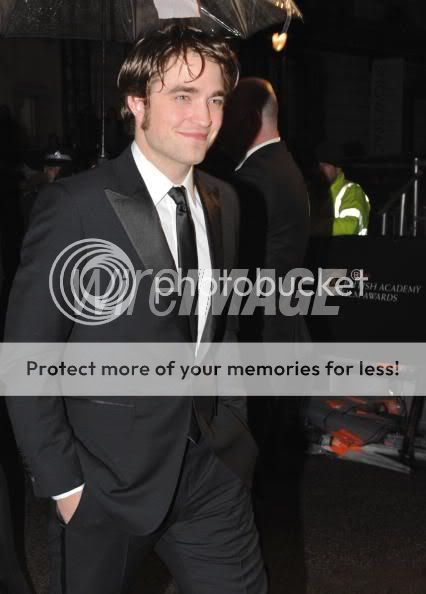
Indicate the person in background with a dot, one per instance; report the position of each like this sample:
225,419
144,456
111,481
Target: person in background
56,165
274,201
350,203
274,228
274,233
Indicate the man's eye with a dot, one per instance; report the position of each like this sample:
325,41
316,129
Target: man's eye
218,101
182,98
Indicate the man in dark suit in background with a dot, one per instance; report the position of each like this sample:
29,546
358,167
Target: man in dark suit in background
274,228
274,233
130,474
274,202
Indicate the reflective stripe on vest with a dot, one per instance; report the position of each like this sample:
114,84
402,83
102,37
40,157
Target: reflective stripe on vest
339,198
349,212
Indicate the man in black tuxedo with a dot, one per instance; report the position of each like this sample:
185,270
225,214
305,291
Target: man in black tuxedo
131,474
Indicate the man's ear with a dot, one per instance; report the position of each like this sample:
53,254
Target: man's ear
136,105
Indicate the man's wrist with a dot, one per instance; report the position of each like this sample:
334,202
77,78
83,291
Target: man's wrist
68,493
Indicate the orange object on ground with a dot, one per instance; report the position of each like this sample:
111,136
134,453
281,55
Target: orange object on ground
335,404
344,440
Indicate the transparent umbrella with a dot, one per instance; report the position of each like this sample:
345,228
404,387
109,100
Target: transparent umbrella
125,20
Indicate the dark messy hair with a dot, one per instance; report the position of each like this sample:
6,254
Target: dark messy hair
151,56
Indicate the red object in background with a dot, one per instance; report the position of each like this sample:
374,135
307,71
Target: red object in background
344,440
363,406
335,404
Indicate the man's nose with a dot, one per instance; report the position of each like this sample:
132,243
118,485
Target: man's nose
201,114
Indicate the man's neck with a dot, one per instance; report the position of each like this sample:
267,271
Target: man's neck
175,172
264,135
257,147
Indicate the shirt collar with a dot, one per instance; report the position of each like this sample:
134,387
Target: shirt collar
256,148
158,184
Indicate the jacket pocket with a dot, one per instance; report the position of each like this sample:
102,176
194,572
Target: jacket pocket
103,428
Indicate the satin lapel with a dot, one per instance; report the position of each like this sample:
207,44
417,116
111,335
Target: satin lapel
139,217
212,214
140,220
137,213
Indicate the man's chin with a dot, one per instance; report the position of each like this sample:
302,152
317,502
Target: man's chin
200,160
195,158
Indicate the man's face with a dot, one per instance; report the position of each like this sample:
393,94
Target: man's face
329,171
51,172
181,118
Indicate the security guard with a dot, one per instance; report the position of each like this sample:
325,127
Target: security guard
350,203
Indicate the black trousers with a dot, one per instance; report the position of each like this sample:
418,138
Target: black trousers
208,540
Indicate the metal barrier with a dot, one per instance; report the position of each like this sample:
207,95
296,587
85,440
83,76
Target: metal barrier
400,194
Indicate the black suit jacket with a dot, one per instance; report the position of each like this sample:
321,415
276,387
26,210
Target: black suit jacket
128,451
274,229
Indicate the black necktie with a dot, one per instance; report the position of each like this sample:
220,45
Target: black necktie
187,260
187,245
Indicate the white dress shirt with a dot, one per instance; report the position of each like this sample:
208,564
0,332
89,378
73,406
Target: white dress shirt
158,186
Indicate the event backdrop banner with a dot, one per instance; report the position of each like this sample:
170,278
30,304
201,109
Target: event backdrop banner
392,304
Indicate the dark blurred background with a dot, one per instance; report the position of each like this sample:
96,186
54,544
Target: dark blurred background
353,73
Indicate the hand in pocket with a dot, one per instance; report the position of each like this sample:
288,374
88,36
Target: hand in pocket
68,506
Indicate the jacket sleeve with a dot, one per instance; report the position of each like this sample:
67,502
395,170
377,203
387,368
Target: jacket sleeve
354,212
42,431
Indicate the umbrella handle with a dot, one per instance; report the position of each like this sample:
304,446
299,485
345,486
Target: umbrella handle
286,25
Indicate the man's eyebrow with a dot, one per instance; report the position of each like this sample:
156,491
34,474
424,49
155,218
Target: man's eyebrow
183,89
193,91
220,93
